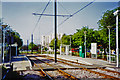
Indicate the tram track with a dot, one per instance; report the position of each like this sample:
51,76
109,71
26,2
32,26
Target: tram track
91,71
69,76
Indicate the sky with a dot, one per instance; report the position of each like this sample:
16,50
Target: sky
19,16
59,0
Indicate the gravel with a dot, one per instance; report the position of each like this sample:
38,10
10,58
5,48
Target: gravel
57,76
83,74
31,75
107,73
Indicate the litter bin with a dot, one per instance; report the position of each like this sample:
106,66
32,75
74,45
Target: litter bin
83,55
80,51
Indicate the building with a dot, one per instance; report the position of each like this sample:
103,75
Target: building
46,39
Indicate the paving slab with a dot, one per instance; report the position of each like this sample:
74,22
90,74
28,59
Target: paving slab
87,61
21,62
0,71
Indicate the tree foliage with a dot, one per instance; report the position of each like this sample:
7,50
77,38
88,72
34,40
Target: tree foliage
32,46
16,38
100,36
52,43
108,19
66,39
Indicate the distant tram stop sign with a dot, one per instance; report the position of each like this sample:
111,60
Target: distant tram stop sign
93,50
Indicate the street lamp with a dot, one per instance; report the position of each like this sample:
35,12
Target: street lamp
117,50
109,44
4,27
85,42
70,45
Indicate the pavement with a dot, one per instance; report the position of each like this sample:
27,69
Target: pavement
0,71
20,62
88,61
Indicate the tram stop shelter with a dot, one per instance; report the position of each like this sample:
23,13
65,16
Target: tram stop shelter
65,50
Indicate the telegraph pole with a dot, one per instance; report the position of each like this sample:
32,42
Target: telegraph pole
55,4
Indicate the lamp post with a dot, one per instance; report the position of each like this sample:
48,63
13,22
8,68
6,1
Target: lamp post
10,46
85,42
4,27
70,45
109,44
117,49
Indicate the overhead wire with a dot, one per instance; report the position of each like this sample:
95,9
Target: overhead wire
41,16
63,8
74,14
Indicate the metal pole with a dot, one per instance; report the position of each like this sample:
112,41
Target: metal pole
3,43
41,47
16,50
32,43
109,47
55,4
70,42
27,46
10,48
85,44
117,49
70,45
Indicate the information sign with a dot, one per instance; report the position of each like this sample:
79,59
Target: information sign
94,48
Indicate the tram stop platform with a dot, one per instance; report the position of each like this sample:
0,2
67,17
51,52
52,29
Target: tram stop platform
86,61
20,62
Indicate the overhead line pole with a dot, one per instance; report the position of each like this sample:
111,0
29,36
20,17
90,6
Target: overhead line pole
117,48
55,5
32,43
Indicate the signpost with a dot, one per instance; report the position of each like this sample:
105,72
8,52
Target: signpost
94,50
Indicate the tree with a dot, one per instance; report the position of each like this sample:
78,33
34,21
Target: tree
32,46
52,43
15,38
108,19
66,39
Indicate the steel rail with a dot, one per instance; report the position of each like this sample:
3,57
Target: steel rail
43,72
88,65
109,70
101,74
61,71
